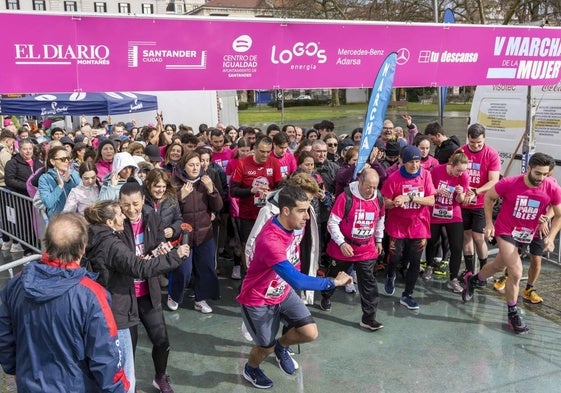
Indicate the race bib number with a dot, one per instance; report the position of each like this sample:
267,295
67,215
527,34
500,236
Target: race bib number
363,226
522,235
275,289
442,211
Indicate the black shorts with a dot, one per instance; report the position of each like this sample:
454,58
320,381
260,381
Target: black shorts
474,219
537,246
516,243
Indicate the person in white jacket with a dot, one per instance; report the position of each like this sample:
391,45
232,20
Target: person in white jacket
86,193
310,249
124,166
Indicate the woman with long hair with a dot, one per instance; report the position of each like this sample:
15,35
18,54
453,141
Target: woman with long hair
128,276
174,153
198,200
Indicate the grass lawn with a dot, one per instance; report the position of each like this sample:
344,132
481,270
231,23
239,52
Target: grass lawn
261,115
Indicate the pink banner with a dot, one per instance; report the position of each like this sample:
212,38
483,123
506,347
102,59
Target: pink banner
46,53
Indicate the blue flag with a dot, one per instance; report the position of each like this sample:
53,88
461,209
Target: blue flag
377,106
448,18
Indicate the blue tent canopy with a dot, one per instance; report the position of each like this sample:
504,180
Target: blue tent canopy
63,104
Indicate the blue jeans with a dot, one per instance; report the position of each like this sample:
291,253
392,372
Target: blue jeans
128,356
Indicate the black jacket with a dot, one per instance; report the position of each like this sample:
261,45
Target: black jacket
17,172
112,255
443,152
169,212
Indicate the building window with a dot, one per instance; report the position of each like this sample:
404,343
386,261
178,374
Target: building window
179,8
147,8
100,6
12,4
39,5
70,6
124,8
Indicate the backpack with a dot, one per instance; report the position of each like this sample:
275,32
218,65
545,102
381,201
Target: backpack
349,201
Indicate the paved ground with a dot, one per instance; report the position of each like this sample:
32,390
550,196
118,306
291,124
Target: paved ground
448,346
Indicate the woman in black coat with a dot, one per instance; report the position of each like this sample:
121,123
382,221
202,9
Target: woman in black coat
111,253
20,167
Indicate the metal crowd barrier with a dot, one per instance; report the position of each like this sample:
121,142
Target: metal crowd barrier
21,220
22,261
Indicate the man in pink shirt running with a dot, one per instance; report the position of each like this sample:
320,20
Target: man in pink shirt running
525,200
267,294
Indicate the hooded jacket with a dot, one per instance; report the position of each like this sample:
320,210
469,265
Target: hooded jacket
120,161
109,254
57,333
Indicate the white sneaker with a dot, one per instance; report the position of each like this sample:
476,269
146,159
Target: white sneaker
6,246
16,247
237,272
203,307
172,304
455,286
350,288
427,275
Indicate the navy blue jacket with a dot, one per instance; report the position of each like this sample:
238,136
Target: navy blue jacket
57,333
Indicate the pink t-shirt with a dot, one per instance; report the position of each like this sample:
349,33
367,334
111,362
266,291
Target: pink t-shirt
274,244
447,209
429,163
223,157
412,221
287,163
480,164
522,206
358,227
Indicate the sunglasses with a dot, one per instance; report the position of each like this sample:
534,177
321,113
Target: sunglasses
62,159
332,144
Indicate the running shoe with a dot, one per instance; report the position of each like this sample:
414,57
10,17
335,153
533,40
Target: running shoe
257,377
172,304
350,288
162,384
516,323
203,307
441,269
427,274
371,325
325,304
409,303
389,286
455,286
285,361
469,287
499,284
532,296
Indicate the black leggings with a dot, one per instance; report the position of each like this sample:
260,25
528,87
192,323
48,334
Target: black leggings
455,231
155,325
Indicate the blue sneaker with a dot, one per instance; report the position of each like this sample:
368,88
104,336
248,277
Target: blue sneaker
285,361
389,287
257,377
408,302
